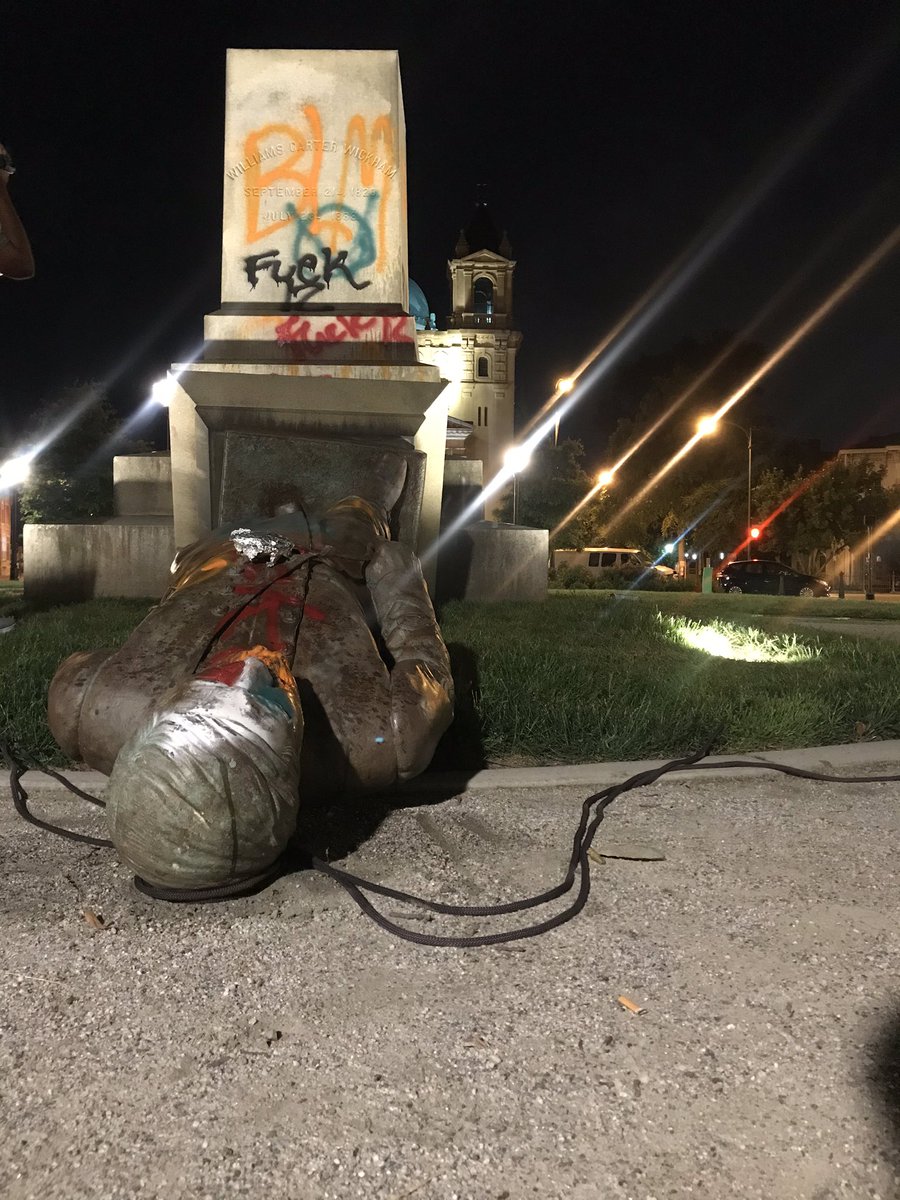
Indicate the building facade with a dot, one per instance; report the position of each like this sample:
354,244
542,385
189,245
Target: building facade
884,455
878,564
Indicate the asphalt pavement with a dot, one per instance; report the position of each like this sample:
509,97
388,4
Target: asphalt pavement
284,1045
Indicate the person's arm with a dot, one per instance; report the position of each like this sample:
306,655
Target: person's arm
16,259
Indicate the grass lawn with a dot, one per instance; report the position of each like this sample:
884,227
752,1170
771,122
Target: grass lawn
30,654
696,604
581,677
585,676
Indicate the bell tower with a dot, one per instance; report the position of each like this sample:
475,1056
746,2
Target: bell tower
477,351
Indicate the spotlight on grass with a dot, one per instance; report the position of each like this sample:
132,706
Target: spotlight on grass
721,639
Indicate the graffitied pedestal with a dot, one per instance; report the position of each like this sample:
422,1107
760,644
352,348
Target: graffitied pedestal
313,342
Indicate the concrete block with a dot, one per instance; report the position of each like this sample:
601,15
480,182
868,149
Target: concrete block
66,563
494,561
142,485
463,482
463,472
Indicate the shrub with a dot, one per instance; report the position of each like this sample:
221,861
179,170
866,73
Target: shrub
643,579
576,576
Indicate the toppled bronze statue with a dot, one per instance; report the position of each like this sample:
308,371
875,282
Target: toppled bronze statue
294,658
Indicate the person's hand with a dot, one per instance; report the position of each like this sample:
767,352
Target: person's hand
6,167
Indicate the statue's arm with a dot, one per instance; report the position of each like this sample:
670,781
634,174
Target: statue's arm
421,682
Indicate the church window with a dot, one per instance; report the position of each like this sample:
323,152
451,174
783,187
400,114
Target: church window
484,368
484,296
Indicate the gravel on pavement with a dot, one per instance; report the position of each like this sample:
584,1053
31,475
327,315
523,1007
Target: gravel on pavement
282,1045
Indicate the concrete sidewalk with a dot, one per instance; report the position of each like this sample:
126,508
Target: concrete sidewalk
283,1046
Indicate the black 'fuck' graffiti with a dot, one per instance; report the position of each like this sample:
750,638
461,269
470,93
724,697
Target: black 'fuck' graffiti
302,278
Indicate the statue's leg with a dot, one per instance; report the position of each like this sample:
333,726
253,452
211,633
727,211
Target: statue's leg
65,699
345,692
421,682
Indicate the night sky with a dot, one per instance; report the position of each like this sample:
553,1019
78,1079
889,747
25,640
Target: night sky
609,137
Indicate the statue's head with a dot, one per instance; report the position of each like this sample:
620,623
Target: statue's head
207,791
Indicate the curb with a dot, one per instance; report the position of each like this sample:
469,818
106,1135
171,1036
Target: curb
858,757
876,758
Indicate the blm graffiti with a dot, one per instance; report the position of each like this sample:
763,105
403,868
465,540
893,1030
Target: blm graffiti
326,232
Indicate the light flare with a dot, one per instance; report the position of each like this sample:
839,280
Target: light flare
672,281
868,264
805,484
15,471
709,240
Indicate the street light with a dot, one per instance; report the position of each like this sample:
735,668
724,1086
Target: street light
516,459
709,425
13,474
161,391
605,478
15,471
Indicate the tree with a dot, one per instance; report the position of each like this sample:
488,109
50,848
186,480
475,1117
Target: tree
675,389
549,488
820,513
667,394
71,477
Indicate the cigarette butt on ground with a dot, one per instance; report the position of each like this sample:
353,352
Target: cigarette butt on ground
630,1005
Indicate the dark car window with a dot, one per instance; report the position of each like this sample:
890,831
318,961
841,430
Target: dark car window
607,559
594,560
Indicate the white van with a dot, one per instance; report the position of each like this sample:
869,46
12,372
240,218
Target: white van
599,559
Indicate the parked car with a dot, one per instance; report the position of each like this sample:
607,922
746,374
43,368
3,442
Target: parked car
599,559
773,578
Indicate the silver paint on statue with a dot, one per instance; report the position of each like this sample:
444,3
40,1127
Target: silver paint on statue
254,546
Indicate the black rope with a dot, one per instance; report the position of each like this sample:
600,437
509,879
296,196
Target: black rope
356,887
20,799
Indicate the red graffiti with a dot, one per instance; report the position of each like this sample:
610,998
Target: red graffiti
298,328
295,330
342,329
394,332
351,329
268,602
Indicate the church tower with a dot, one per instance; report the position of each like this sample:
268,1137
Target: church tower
477,351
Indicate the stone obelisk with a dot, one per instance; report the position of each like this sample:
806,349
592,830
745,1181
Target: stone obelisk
309,369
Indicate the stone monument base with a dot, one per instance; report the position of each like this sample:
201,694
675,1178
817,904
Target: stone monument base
493,561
